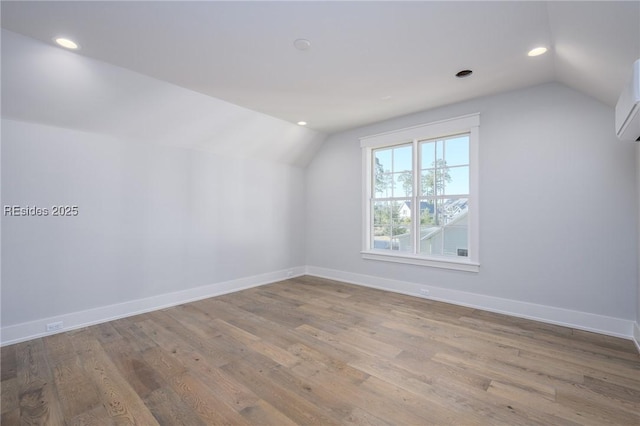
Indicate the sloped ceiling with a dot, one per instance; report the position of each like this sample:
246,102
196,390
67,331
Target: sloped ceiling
55,87
368,61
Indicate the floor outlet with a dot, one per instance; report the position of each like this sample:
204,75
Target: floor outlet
55,326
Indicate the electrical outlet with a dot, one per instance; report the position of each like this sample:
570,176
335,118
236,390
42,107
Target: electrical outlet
55,326
424,291
289,274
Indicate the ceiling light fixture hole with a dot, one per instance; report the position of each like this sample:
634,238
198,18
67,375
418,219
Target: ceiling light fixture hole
66,43
537,51
302,44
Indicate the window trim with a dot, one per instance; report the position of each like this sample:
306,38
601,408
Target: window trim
464,124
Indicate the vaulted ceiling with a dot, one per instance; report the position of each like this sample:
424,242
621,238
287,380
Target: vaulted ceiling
368,61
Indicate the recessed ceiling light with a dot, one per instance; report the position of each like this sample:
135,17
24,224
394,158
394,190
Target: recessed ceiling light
66,43
302,123
464,73
537,51
302,44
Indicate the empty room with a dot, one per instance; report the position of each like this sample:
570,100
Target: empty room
320,213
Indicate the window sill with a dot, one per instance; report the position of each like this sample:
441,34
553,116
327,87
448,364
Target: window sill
434,262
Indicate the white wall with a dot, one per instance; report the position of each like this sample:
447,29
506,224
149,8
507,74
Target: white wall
180,195
558,203
152,220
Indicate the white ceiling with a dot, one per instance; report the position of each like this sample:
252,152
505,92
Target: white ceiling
369,60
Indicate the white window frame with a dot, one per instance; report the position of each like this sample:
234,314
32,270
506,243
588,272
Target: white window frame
465,124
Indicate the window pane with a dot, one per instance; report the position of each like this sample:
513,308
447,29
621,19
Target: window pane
432,181
430,240
428,154
429,228
381,215
381,170
403,184
455,240
443,226
457,151
457,182
383,184
383,160
427,212
439,151
452,210
403,159
401,231
432,152
393,172
392,225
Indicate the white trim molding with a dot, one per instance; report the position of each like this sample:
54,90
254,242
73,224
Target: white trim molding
414,136
446,263
610,326
636,335
431,130
31,330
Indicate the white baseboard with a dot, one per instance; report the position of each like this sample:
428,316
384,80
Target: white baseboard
34,329
575,319
636,335
611,326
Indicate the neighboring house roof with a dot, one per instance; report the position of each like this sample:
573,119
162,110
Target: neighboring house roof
424,205
431,232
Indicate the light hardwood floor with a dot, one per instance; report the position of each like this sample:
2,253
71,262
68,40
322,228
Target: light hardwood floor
313,351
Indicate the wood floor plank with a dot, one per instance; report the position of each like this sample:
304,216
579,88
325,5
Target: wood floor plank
129,329
315,364
311,351
264,414
572,369
202,333
293,404
536,384
9,395
164,363
223,387
438,397
37,395
130,363
203,402
360,417
570,343
11,417
169,409
395,404
123,405
95,417
8,363
515,394
76,392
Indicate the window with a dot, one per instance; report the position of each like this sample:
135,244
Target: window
421,195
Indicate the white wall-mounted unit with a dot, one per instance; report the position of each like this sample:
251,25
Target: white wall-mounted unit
628,108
